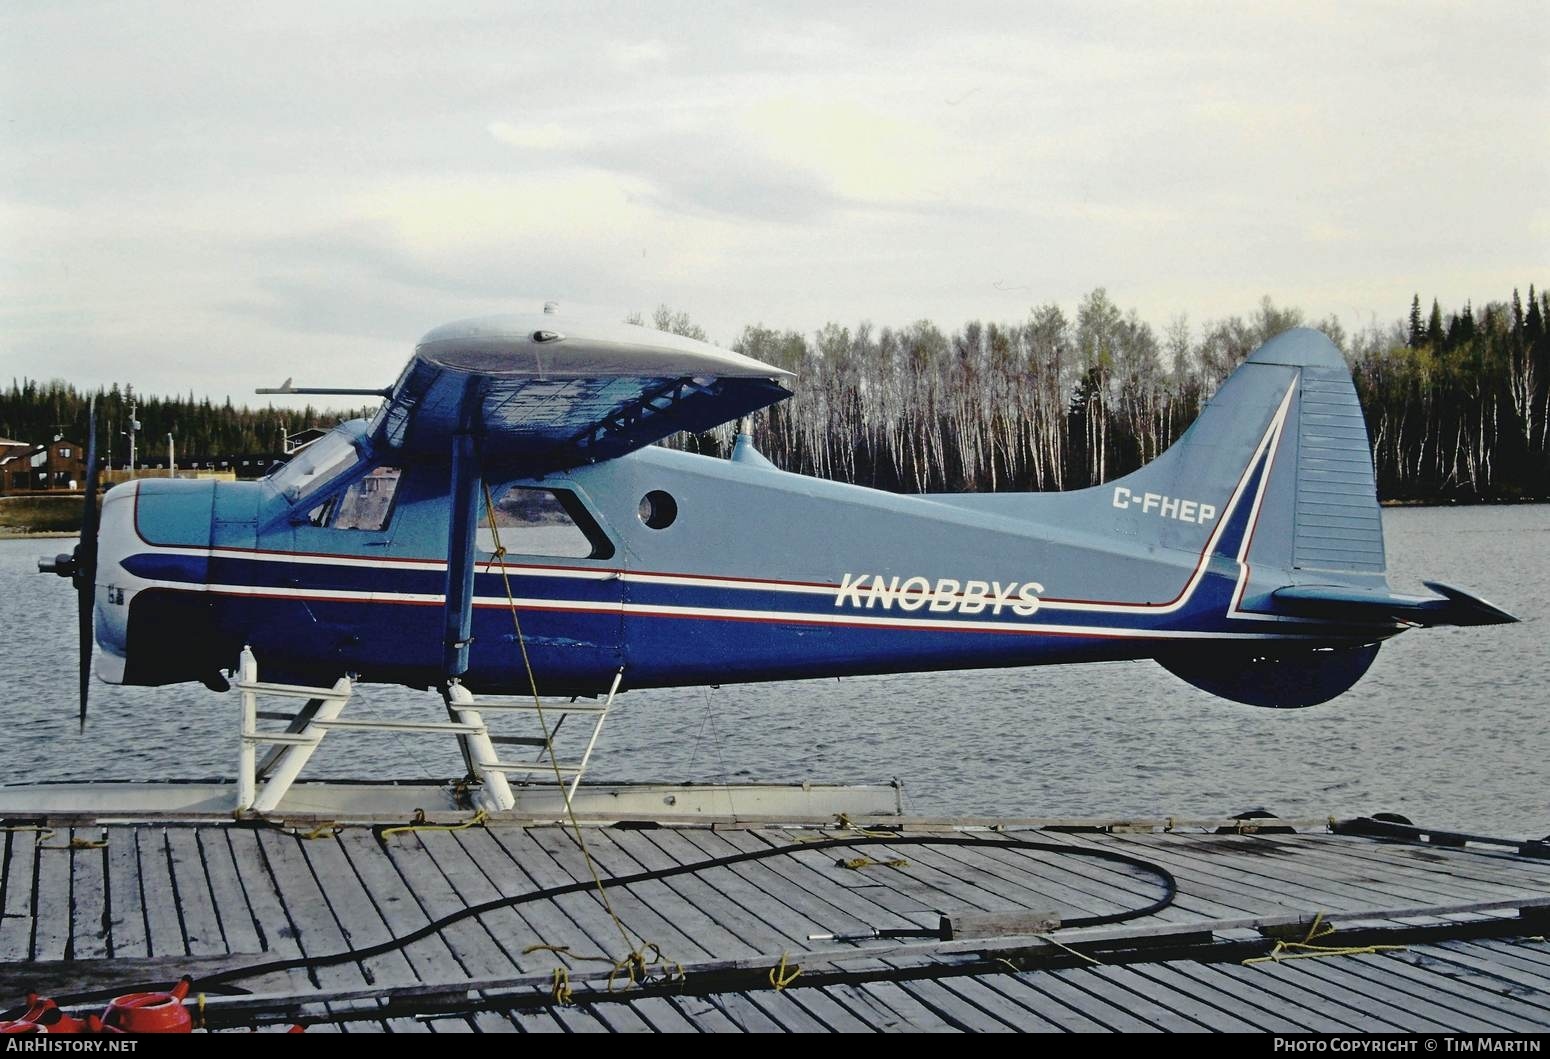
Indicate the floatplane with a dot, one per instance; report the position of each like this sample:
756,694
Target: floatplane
503,525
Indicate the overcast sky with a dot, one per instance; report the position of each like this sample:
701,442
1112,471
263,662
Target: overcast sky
216,196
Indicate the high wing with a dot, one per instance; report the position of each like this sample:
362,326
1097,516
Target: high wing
557,392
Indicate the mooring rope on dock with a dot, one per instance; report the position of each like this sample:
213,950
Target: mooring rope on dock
634,962
1308,949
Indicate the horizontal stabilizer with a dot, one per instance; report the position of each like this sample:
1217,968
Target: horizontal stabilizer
1451,606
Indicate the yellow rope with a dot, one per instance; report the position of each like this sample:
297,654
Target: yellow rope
843,823
564,950
43,833
419,824
327,829
1066,948
780,978
1307,950
562,989
74,843
857,863
636,968
635,962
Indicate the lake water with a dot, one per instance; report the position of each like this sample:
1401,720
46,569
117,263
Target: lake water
1450,726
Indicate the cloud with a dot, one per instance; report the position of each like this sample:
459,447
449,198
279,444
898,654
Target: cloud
546,137
629,55
863,154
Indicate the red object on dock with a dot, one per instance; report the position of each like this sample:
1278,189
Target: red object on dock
130,1013
43,1016
150,1012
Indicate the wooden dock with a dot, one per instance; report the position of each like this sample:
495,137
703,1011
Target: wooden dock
1446,938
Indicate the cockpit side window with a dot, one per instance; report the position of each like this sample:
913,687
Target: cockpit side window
368,503
547,522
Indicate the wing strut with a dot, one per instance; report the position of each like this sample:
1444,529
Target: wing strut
457,631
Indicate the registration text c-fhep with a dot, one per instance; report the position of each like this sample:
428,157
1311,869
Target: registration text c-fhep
1164,506
946,594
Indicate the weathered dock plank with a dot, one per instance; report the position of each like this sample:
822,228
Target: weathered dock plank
128,936
353,909
687,904
1076,885
1499,963
239,928
470,940
1322,1013
1334,984
544,923
51,899
776,913
833,908
705,1016
905,1006
1466,998
1319,865
1015,1016
88,896
196,905
950,1006
1243,883
534,1021
306,910
276,932
504,932
1120,888
1051,997
163,922
636,910
16,889
1254,1010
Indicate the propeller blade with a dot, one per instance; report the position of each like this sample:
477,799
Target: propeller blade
86,558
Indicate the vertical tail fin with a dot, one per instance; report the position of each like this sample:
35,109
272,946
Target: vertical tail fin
1278,466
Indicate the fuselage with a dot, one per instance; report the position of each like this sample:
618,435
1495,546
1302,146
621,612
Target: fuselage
678,569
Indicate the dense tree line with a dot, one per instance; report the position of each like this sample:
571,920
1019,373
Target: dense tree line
36,411
1457,403
1457,406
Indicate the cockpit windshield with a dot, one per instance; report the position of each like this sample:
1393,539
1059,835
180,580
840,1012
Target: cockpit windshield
315,466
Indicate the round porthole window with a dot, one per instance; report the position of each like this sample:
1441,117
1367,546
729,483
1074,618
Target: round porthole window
658,509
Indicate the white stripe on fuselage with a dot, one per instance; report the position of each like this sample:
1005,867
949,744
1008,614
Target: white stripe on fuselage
722,613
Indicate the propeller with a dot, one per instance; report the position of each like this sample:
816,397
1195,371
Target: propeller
86,559
81,565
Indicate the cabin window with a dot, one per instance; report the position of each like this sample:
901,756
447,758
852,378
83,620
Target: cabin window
549,522
658,509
